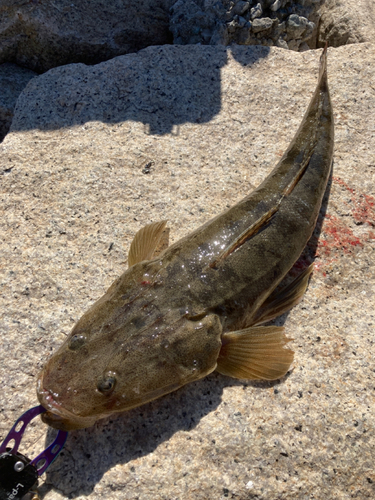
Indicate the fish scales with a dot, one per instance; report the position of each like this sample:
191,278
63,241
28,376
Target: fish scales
200,304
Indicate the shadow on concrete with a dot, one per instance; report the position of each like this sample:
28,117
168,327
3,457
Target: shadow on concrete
133,434
161,87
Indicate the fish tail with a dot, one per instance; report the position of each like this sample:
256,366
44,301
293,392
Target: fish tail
323,63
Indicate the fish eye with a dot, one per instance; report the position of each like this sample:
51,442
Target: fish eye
107,383
76,342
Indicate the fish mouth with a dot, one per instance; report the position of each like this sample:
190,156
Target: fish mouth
56,415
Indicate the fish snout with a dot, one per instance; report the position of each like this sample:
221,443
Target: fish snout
56,415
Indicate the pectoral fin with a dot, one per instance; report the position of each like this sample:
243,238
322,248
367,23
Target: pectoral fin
280,302
255,353
146,242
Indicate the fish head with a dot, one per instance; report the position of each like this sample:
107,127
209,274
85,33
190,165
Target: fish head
118,357
72,385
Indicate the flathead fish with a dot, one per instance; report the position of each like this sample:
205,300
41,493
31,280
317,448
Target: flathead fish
200,305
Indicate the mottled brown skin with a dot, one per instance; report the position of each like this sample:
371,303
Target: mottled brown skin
160,324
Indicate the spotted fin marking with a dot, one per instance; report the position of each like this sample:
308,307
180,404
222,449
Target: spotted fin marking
146,242
255,353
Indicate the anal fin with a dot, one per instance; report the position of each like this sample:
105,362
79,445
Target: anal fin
146,242
281,301
255,353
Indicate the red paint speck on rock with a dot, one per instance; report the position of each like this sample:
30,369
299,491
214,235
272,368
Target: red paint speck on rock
337,238
364,204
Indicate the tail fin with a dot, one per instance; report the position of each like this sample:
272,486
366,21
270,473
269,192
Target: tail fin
323,62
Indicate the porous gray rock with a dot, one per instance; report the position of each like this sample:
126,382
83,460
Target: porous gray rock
13,80
276,5
208,124
263,24
196,21
296,25
256,11
43,35
240,7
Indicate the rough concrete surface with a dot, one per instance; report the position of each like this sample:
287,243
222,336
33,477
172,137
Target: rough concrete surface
343,22
207,124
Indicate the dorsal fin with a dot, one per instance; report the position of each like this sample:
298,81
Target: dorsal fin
146,242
